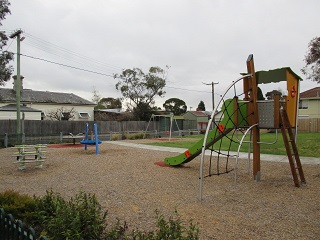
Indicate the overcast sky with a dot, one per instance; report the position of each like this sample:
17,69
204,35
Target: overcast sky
202,41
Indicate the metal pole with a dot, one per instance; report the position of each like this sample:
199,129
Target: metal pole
212,89
18,85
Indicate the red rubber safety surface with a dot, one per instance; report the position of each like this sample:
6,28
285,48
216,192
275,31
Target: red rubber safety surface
71,145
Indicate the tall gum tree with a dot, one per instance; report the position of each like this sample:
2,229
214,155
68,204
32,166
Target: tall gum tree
312,59
141,89
5,56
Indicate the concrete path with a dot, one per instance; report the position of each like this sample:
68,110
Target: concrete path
264,157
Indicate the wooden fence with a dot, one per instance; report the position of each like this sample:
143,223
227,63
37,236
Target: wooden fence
47,131
48,127
309,125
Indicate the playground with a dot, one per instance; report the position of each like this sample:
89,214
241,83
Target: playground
270,200
131,187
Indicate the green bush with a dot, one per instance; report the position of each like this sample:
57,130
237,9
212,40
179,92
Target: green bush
21,206
131,136
173,228
134,136
82,217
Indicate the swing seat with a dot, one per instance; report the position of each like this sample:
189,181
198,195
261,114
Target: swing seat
90,142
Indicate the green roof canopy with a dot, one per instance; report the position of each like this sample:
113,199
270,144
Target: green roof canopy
276,75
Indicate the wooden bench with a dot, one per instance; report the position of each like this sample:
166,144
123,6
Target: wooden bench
30,154
73,137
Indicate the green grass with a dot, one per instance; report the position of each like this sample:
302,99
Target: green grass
308,144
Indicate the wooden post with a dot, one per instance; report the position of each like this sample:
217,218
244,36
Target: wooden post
236,112
254,119
276,110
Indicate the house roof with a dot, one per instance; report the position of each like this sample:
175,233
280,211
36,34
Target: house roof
311,93
28,95
199,113
13,108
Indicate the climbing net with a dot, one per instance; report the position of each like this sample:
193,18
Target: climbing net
226,135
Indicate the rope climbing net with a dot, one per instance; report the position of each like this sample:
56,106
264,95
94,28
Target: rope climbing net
232,121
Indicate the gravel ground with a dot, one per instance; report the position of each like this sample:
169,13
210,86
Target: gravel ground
131,187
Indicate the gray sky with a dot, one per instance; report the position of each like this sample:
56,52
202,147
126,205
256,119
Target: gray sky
202,41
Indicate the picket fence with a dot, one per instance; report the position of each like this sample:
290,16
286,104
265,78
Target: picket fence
12,229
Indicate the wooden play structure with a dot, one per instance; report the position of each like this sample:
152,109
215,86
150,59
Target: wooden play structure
273,114
245,113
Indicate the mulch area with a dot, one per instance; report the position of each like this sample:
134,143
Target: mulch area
130,186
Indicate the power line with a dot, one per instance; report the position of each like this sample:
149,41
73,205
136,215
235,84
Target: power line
44,45
65,65
184,89
99,73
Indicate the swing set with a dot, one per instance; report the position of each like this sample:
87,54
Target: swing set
165,128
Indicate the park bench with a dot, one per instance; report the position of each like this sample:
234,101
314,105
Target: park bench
30,154
73,137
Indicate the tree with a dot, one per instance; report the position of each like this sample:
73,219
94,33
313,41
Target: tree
110,103
260,94
5,56
201,106
175,105
312,60
96,96
141,88
62,114
270,95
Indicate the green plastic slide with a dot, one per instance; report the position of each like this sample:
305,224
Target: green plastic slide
224,127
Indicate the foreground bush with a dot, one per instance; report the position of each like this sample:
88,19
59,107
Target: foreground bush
82,217
21,206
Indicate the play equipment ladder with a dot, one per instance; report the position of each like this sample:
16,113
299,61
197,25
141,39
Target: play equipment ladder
292,152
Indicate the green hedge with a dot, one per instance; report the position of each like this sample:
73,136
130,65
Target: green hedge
82,217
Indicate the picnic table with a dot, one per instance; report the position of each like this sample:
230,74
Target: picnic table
30,154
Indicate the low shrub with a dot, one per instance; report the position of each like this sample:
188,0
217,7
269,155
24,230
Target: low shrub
82,217
21,206
130,136
173,228
134,136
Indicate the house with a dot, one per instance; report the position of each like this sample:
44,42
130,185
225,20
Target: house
200,118
39,105
309,103
10,112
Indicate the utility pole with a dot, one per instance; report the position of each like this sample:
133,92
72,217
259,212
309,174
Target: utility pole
18,84
212,87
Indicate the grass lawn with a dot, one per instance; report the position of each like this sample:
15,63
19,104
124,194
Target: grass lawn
308,144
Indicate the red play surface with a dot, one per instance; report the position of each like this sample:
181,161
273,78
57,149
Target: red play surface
65,145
